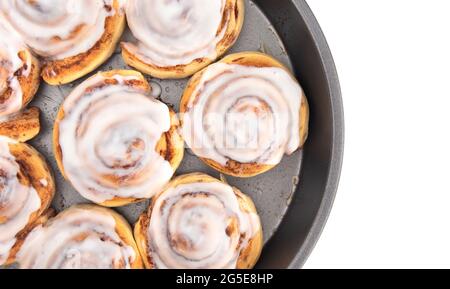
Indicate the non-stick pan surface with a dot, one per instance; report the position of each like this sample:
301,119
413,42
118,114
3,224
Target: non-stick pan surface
295,198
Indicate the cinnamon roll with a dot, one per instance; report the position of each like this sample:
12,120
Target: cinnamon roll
81,237
22,126
26,191
199,222
73,36
175,39
19,71
114,142
241,115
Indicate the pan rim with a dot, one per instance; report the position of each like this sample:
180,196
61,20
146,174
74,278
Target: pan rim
337,151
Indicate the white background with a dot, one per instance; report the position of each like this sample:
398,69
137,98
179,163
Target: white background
393,205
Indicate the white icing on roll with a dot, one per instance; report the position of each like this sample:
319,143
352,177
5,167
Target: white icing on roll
43,182
171,32
58,29
246,114
76,239
10,64
199,226
17,201
108,140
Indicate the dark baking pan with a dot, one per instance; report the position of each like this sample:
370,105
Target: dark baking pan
295,198
313,64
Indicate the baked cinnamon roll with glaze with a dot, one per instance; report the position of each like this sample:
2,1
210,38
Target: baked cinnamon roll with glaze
22,126
19,72
241,115
26,191
82,237
199,222
74,37
175,39
114,142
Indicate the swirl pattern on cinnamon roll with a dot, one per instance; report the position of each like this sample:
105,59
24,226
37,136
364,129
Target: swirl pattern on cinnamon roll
82,237
243,114
26,191
114,142
199,222
175,39
74,36
19,72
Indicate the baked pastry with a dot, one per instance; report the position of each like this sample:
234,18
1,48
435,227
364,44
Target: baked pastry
74,37
26,191
175,39
241,115
115,143
19,72
21,126
199,222
81,237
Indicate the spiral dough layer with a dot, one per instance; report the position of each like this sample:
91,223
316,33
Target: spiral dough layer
19,200
107,133
11,66
83,237
242,113
199,224
58,29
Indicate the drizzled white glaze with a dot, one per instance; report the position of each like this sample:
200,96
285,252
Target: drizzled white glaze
188,227
43,182
10,64
172,32
17,201
246,114
108,140
58,29
156,89
76,239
